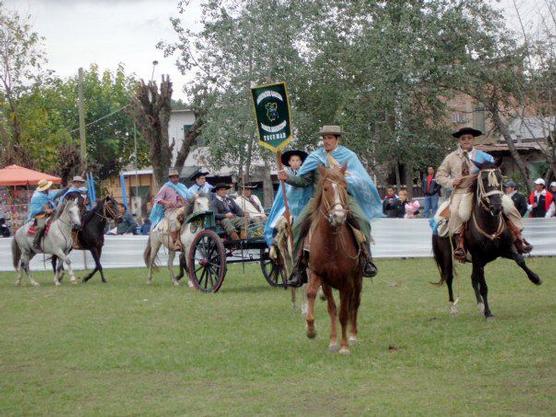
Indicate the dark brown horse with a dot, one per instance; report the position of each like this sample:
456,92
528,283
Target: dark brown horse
487,238
334,258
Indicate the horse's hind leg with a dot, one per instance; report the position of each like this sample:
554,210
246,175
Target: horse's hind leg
333,314
353,309
155,246
312,288
97,263
475,283
25,261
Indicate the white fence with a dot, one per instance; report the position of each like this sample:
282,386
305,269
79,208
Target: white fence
394,238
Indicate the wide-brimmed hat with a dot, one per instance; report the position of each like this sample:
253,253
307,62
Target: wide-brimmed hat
331,130
173,172
510,183
44,185
198,174
78,178
221,185
467,131
540,181
288,154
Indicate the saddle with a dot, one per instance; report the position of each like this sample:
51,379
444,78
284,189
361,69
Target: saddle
32,231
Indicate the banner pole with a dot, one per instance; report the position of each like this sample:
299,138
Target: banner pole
287,213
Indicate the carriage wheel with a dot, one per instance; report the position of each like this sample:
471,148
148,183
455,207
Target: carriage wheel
273,273
207,261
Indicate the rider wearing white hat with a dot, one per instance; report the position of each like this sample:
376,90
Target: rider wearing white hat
41,206
540,200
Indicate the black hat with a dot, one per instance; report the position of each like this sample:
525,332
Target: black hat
249,186
467,131
198,174
288,154
219,186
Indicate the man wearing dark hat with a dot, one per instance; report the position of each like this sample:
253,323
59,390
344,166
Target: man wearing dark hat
250,203
520,201
453,174
364,201
226,211
201,185
169,199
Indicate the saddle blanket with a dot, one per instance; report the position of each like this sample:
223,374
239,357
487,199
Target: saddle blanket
32,231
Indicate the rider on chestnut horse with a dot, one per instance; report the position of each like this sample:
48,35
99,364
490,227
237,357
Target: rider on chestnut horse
363,200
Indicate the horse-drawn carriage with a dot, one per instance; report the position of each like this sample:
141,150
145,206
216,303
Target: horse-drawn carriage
211,251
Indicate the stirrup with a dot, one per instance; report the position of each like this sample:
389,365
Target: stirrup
297,279
369,269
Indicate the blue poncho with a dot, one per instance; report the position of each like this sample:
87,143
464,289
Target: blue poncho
360,186
40,199
157,213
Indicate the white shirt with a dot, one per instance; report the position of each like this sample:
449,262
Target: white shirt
249,208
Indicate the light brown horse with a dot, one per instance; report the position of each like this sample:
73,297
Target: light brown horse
334,258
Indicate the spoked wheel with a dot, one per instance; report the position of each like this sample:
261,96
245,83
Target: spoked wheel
273,273
207,261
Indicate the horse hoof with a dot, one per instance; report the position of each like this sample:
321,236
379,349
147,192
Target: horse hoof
536,280
352,340
333,347
454,309
74,281
57,283
311,334
344,351
190,284
176,283
490,318
481,307
18,284
35,284
149,282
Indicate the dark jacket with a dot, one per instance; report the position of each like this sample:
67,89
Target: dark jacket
220,208
435,187
520,203
393,207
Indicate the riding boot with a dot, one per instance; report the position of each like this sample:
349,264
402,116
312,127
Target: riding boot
176,243
369,268
459,252
38,237
299,273
520,243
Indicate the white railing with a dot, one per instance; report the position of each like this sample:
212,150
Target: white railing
394,238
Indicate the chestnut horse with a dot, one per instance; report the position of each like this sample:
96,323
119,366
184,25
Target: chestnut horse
334,258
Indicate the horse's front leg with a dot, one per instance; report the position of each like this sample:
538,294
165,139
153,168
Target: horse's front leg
171,255
354,308
95,258
475,280
312,288
345,297
520,261
479,273
333,314
59,273
66,259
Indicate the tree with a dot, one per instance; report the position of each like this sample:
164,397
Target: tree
21,67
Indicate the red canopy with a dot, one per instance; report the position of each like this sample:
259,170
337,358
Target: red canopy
16,175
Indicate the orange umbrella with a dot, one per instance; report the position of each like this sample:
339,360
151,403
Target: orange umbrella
14,175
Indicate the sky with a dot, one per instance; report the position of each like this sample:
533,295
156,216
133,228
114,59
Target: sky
108,32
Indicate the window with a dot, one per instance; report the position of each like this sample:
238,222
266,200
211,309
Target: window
479,118
186,129
458,118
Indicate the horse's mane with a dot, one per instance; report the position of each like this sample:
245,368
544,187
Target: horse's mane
90,213
335,175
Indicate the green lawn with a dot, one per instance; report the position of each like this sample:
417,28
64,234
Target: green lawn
128,349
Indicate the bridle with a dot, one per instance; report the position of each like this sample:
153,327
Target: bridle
483,200
108,213
339,205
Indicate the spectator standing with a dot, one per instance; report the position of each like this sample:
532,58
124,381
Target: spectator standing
520,201
540,200
410,207
146,226
128,223
431,191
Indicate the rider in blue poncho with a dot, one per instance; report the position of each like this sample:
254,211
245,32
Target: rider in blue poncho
364,200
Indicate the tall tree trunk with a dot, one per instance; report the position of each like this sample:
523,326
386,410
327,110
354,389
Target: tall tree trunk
397,171
502,127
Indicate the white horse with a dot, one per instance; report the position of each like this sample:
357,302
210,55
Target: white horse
160,236
58,241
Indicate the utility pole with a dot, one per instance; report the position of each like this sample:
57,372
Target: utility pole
82,141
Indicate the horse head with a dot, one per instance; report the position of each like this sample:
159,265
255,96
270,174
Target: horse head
489,187
73,211
201,203
111,209
333,195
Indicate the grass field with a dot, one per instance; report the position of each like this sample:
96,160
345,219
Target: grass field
128,349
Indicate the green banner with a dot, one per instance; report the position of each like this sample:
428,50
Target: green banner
272,110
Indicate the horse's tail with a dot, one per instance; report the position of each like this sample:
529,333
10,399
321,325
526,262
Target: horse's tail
442,251
147,256
16,253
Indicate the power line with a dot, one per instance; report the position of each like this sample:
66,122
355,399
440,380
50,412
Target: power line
102,118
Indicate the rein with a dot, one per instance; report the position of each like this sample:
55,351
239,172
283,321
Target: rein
483,200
